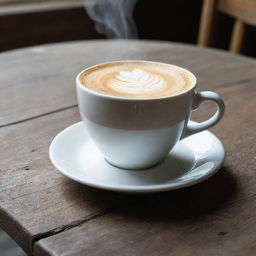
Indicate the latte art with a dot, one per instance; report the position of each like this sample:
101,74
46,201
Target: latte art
137,79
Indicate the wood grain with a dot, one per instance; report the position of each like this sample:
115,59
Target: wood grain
47,73
35,198
39,206
215,217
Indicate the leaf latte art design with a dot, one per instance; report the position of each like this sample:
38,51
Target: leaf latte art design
136,81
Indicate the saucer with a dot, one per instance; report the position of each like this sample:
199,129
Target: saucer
191,161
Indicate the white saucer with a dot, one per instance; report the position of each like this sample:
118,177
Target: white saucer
191,161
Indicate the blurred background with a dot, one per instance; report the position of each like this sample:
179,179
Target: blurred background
26,23
32,22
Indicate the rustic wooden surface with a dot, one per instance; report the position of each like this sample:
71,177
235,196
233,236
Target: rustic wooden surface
47,214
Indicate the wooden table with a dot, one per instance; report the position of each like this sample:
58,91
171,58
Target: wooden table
48,214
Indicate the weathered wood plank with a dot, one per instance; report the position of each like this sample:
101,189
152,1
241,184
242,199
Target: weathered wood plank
34,197
216,217
157,228
41,79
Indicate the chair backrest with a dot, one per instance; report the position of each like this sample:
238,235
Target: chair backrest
244,12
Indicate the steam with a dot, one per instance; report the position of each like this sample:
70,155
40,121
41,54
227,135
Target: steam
114,18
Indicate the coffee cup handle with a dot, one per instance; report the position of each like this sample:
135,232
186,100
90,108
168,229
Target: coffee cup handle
193,128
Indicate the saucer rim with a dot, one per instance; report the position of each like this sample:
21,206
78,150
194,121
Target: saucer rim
140,189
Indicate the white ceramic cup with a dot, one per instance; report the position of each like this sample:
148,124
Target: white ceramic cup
139,133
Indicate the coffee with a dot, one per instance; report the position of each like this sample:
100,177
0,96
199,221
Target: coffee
137,79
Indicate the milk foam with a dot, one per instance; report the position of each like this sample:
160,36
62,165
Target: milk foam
137,79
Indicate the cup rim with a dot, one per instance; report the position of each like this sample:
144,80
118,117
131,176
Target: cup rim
84,88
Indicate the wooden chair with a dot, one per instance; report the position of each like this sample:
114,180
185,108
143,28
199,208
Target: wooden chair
244,12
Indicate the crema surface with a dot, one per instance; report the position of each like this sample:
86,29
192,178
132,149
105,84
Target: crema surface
137,79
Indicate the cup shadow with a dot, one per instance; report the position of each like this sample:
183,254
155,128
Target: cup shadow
193,202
